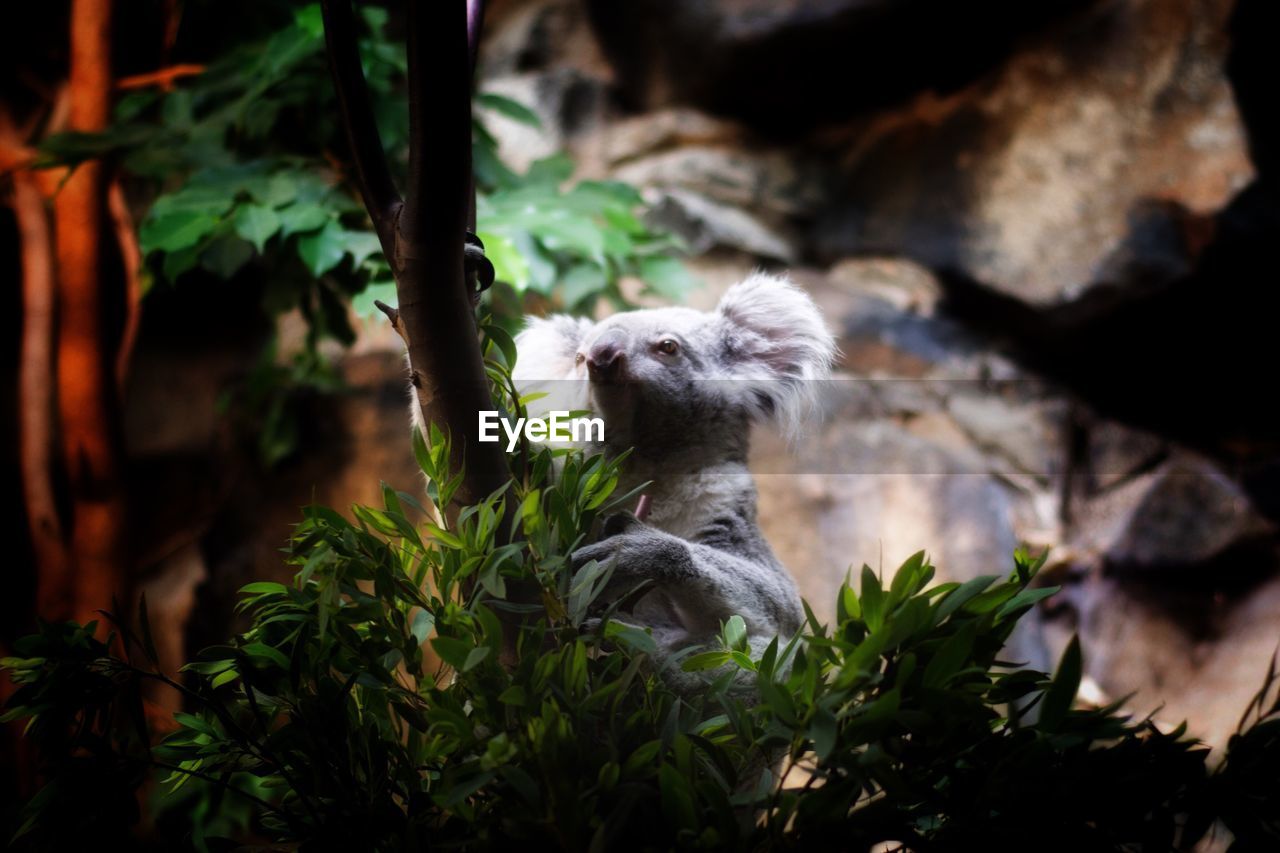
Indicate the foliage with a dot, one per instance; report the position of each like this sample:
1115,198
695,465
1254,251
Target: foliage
328,720
239,172
240,162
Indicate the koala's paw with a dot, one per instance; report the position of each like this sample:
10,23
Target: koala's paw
638,558
637,551
624,556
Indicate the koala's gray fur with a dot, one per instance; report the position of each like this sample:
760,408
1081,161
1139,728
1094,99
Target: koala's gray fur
687,414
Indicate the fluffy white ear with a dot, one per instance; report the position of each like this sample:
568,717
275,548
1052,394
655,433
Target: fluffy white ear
546,347
545,353
776,347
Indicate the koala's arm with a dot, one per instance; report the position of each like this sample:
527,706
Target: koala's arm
705,582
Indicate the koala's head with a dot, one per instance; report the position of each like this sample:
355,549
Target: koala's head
673,374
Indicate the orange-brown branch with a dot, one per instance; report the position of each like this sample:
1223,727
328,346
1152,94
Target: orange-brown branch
88,404
162,77
131,261
36,420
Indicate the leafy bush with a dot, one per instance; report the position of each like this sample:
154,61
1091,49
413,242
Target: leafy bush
236,172
326,724
237,163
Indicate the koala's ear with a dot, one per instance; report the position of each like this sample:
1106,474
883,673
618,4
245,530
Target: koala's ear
547,346
776,346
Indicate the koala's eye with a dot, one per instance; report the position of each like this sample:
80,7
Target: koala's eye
668,347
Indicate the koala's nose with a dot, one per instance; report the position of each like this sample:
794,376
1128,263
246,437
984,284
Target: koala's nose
605,359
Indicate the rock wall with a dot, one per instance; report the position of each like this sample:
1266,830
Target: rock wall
1043,234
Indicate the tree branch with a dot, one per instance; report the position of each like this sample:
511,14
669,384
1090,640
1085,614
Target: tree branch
435,305
37,422
424,237
162,78
475,20
88,405
372,172
131,263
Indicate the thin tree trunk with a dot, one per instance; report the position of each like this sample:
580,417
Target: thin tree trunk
423,234
435,303
37,431
88,402
131,264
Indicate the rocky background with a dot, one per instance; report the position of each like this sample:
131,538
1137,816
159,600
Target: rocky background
1044,234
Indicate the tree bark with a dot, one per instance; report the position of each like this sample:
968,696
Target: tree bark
423,235
447,368
88,402
37,430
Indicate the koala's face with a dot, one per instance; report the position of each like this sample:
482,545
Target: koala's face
655,356
658,373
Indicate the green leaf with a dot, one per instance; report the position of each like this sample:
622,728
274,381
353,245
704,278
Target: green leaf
180,261
225,677
637,638
509,263
178,230
909,578
278,190
961,595
513,110
677,797
667,277
261,651
362,245
323,250
264,588
444,536
872,599
1026,598
823,731
453,794
951,657
581,282
196,724
641,757
704,661
475,657
551,171
302,216
847,604
735,633
256,223
309,19
377,291
421,626
453,651
225,255
503,341
1062,691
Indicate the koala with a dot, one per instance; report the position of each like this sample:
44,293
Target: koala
682,388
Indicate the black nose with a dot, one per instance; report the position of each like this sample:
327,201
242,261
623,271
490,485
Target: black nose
604,360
